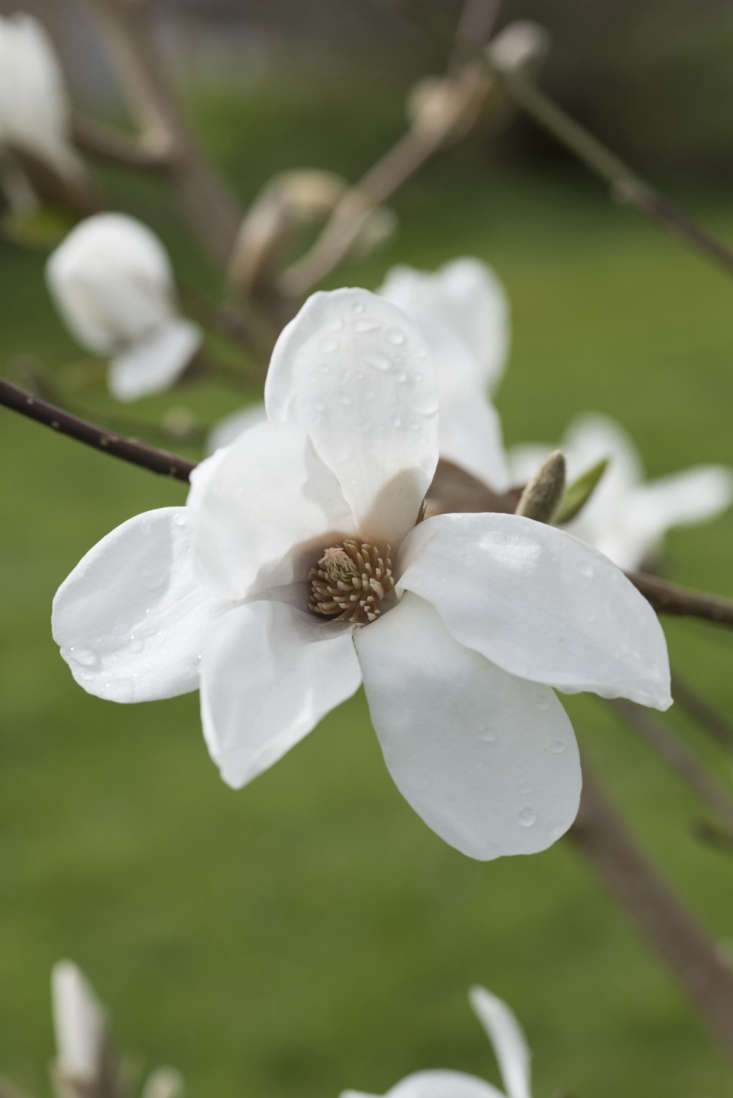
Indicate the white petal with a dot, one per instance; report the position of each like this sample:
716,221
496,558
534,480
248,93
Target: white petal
262,509
540,604
507,1037
355,372
443,1084
229,429
267,677
154,362
489,761
131,618
470,435
690,496
464,297
79,1023
525,459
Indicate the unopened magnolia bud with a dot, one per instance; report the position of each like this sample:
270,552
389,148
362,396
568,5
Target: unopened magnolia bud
446,107
540,498
518,47
80,1026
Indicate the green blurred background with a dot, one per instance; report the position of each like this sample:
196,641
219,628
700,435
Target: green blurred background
309,933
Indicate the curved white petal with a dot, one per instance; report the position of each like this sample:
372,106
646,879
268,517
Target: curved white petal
269,674
470,435
464,297
263,509
132,618
540,604
355,372
489,761
229,429
154,362
507,1037
79,1023
443,1084
690,496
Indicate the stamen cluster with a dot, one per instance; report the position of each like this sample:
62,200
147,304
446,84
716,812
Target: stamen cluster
351,580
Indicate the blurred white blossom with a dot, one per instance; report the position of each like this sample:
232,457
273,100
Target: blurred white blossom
229,429
296,570
112,282
34,106
80,1026
627,516
510,1048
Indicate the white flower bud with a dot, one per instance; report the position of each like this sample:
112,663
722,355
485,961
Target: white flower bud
164,1082
112,282
34,106
79,1022
518,46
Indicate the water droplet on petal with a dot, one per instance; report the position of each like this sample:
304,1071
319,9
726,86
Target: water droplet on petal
179,520
345,399
364,326
527,816
329,345
379,362
557,747
135,643
486,735
396,336
586,570
84,656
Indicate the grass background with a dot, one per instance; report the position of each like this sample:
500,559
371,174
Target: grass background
309,933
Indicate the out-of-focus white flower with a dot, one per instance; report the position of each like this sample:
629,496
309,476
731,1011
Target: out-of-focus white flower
626,516
510,1048
296,570
229,429
112,283
80,1025
164,1082
34,107
518,46
464,311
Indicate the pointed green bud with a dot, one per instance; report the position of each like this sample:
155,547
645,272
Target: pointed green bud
579,492
540,498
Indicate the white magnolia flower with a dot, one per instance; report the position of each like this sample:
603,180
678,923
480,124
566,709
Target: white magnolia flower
228,429
112,283
295,571
627,517
510,1048
465,313
34,107
79,1023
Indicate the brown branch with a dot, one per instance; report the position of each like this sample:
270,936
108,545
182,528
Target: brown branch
147,457
625,184
601,836
208,203
678,757
107,143
670,598
474,27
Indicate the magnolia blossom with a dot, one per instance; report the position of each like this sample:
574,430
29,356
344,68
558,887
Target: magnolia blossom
296,571
463,310
510,1048
112,282
34,107
80,1025
626,516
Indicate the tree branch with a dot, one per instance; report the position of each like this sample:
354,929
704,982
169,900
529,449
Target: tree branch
670,598
210,206
97,139
669,930
147,457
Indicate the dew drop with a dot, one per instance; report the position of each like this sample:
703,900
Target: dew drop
396,421
396,336
135,643
84,656
402,377
557,747
329,345
358,307
363,326
527,816
179,520
543,703
525,788
486,735
379,362
345,399
586,570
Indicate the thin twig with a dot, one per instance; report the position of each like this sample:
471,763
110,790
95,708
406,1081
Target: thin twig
107,143
147,457
210,206
625,184
678,756
700,709
475,25
669,930
670,598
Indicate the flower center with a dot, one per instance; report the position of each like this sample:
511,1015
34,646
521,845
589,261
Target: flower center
350,581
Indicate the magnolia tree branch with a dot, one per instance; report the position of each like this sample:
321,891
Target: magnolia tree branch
666,598
147,457
210,207
107,143
625,185
669,930
677,755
